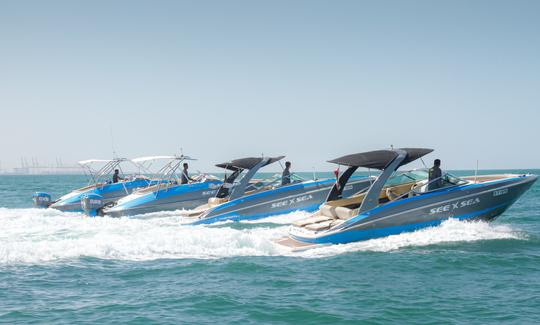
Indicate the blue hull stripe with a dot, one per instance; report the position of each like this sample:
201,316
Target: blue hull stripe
164,193
359,235
438,193
233,216
286,188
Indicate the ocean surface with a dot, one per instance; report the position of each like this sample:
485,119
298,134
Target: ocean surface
65,268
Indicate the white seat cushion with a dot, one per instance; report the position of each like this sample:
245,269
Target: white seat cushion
337,222
314,219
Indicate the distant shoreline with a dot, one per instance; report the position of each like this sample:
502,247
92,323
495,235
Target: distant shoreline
278,171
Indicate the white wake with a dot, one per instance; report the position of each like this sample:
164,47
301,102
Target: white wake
39,236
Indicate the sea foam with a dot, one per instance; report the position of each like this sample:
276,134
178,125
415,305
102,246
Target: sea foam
34,236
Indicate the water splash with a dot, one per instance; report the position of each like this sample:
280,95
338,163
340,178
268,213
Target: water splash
36,236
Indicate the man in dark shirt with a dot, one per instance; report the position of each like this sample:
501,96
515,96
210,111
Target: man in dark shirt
185,176
286,176
116,176
435,175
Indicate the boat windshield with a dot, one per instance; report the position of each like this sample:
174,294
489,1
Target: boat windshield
273,181
407,177
451,180
447,180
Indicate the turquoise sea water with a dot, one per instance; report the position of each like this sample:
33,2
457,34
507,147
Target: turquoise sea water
60,268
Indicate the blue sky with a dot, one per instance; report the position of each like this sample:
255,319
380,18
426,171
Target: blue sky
313,80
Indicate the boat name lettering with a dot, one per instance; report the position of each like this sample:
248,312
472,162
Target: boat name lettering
500,192
453,206
291,201
208,192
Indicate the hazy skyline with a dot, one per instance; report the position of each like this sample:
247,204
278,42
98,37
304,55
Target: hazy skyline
312,80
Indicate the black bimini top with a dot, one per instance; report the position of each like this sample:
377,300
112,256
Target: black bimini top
247,163
227,166
379,159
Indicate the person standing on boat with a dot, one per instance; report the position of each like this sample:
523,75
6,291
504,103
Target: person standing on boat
185,175
116,176
435,174
286,176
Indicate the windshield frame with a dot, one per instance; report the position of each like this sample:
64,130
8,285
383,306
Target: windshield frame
449,181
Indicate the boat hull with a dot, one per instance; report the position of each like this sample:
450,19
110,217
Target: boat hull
179,197
305,196
109,192
469,202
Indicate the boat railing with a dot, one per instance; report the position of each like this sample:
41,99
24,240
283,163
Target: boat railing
169,174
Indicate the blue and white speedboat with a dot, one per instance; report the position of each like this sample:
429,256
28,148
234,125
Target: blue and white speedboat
254,200
100,185
168,195
403,202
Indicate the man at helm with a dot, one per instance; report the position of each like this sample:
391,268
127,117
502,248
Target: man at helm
286,175
185,176
116,176
435,174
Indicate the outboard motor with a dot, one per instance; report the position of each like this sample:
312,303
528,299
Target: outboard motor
41,200
91,204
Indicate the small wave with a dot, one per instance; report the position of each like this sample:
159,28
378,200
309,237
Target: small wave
160,214
33,236
37,236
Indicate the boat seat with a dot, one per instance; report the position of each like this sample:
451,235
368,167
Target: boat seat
344,213
391,195
310,220
195,212
337,222
320,226
328,210
213,201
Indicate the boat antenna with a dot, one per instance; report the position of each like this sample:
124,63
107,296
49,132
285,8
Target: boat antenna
314,173
112,141
476,171
423,163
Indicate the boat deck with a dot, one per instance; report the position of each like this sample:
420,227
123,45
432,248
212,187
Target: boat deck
295,245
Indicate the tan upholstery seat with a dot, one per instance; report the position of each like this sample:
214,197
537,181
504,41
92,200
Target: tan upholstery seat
213,201
328,210
345,213
391,195
319,226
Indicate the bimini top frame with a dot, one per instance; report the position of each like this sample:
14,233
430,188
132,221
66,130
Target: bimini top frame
386,160
167,172
237,166
100,175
